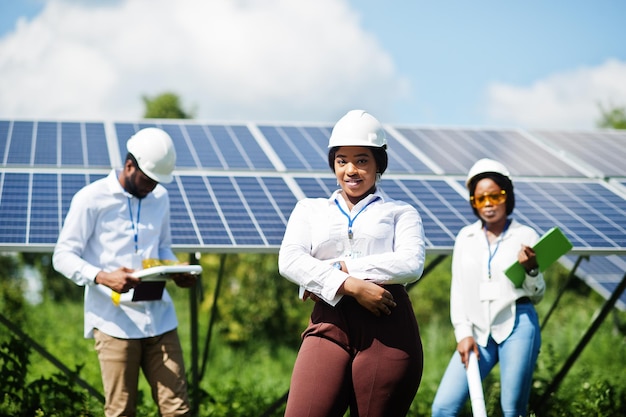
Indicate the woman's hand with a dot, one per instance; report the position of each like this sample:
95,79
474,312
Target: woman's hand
308,294
527,258
464,347
371,296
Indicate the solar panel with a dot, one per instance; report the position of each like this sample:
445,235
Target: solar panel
456,150
54,144
299,148
602,150
303,148
230,147
590,214
236,184
14,209
602,273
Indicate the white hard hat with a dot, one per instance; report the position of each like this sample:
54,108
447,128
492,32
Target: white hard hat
358,128
155,154
486,165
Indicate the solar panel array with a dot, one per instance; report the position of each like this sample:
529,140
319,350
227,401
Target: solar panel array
236,184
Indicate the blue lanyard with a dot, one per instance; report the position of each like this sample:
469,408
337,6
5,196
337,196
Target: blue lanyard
351,220
491,255
135,226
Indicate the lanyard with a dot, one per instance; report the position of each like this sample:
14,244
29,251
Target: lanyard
491,255
351,220
135,226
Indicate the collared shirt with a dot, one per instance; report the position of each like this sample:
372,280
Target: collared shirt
99,234
479,305
387,245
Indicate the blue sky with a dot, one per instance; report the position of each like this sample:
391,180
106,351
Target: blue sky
447,63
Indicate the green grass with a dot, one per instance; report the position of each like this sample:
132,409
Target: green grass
245,379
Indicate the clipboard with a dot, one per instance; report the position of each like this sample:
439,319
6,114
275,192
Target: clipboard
153,282
163,272
550,247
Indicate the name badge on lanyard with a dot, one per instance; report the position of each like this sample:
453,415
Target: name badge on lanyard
351,252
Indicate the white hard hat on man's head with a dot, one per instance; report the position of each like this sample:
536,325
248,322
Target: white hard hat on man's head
358,128
486,165
155,154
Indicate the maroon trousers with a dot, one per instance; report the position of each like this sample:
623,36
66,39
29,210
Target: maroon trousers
351,358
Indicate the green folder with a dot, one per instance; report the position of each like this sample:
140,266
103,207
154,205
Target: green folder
549,248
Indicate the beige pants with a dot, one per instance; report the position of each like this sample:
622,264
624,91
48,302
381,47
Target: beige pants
160,358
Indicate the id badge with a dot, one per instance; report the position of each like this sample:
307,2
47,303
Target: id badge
137,261
489,291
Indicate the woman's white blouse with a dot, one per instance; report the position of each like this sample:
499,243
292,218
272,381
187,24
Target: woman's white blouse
481,306
387,246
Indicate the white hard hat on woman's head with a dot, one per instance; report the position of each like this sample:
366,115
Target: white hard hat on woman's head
486,165
358,128
154,152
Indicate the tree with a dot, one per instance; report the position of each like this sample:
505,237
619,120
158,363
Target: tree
612,117
165,106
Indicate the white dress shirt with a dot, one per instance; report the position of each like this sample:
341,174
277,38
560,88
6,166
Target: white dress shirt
99,234
387,246
481,306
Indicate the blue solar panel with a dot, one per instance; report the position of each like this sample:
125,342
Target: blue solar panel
317,187
20,143
44,215
238,215
299,148
14,207
591,215
210,222
47,146
604,150
236,184
302,148
4,136
95,138
206,146
183,229
456,150
70,184
230,211
54,144
444,212
403,160
602,273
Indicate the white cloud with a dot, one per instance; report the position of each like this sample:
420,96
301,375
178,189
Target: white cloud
568,100
271,60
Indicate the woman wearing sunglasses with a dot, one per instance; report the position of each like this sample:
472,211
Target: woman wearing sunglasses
491,317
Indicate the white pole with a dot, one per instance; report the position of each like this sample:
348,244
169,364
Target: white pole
475,387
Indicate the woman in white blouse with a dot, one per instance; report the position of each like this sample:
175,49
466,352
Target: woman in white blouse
492,317
352,254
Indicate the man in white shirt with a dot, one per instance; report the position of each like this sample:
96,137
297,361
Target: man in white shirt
113,224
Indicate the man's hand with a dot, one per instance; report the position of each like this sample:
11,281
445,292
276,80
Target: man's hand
121,280
185,280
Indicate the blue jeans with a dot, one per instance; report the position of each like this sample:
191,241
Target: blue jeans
517,356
